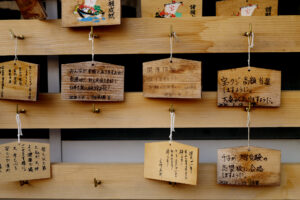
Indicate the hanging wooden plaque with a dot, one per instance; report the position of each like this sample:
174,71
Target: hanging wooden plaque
257,167
92,81
171,9
24,161
173,162
247,8
238,87
19,80
90,12
179,79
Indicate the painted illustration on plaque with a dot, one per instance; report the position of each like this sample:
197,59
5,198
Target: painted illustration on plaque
247,8
171,8
88,11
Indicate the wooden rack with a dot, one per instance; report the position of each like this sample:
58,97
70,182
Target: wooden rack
148,36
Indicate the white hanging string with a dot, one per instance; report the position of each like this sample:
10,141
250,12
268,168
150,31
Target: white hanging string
19,127
91,38
172,126
250,46
248,126
172,36
16,50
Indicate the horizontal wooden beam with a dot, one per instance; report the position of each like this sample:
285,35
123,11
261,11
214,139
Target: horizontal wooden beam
126,181
139,112
151,36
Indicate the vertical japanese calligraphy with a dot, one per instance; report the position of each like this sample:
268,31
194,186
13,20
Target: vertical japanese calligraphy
247,8
24,161
91,12
19,80
173,162
238,87
171,8
257,167
92,81
179,79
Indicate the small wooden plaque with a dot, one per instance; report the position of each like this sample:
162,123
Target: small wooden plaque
90,12
171,9
173,162
24,161
257,167
179,79
92,81
247,8
19,80
238,87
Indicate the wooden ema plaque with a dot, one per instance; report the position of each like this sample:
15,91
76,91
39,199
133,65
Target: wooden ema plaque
24,161
247,8
179,79
257,167
238,87
173,162
92,81
171,8
19,80
90,12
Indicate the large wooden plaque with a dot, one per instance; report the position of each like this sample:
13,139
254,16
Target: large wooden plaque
238,87
179,79
173,162
24,161
19,80
171,9
90,12
92,81
247,8
257,167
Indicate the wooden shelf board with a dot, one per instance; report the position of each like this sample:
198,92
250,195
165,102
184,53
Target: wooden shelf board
139,112
126,181
151,36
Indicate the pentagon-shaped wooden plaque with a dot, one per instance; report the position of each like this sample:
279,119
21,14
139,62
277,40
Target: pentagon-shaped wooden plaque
19,80
92,81
174,162
238,87
257,167
24,161
179,79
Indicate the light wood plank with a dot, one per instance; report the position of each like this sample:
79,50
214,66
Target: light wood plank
126,181
139,112
147,35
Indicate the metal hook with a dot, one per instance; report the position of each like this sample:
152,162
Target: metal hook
248,109
20,111
13,35
247,34
95,110
92,35
24,183
171,109
172,183
97,182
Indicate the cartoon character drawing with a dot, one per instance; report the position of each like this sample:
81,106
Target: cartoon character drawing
170,10
88,11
